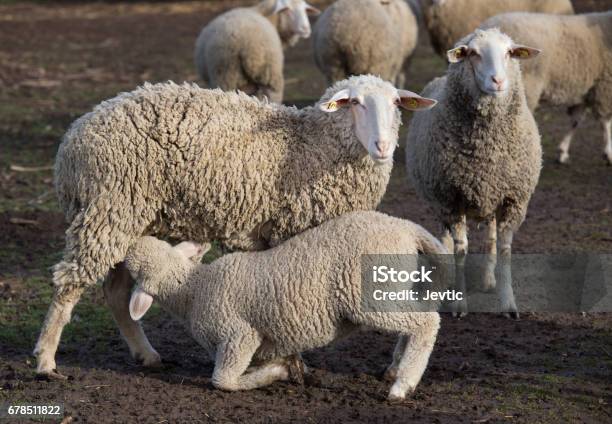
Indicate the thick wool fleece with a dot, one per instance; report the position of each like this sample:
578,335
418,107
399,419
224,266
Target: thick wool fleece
178,161
447,21
298,296
354,37
475,154
242,50
575,66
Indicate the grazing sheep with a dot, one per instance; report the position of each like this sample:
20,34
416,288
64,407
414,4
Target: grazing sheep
478,154
301,295
449,20
354,37
575,69
178,161
243,49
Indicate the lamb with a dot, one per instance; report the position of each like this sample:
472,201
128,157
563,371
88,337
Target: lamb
181,162
243,49
313,298
575,69
449,20
354,37
477,155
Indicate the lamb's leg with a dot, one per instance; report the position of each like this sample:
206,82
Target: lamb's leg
117,291
447,240
458,230
490,256
504,287
576,114
400,347
233,358
607,131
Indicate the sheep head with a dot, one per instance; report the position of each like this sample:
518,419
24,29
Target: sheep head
293,18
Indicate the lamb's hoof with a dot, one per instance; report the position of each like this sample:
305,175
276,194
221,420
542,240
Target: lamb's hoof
390,375
149,359
513,315
297,369
393,399
51,375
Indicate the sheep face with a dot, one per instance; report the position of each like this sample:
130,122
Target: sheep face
293,16
374,111
491,54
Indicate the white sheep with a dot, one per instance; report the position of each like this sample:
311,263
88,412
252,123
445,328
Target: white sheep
575,69
354,37
447,21
242,49
477,155
178,161
300,295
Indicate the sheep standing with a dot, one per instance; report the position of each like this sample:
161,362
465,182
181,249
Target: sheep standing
187,163
243,49
449,20
575,69
354,37
245,307
478,154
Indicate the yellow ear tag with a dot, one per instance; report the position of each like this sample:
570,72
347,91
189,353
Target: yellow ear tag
332,106
523,53
413,103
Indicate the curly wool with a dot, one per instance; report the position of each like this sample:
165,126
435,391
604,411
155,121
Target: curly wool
298,296
354,37
450,20
181,162
242,50
578,46
475,154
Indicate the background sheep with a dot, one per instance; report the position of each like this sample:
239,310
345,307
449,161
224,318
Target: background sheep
355,37
449,20
243,49
314,298
575,69
183,162
478,154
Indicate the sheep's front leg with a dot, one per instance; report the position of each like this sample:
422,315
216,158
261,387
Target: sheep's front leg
459,232
577,114
400,347
607,131
488,278
504,288
233,358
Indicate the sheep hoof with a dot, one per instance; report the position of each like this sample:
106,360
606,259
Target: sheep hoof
514,315
563,159
296,368
51,375
395,399
149,359
390,375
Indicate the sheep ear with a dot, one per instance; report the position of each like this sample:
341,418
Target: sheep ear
457,54
339,100
193,251
524,52
412,101
139,304
280,6
311,10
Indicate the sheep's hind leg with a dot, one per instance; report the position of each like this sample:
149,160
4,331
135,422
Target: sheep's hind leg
117,291
490,256
607,132
577,115
233,358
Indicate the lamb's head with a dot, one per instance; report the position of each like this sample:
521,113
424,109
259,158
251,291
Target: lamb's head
489,57
293,19
372,106
157,267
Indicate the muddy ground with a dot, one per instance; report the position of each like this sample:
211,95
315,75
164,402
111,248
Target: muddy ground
59,60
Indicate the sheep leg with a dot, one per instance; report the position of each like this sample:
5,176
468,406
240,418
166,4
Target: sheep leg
607,130
447,239
576,114
459,232
504,288
490,255
117,291
233,358
391,372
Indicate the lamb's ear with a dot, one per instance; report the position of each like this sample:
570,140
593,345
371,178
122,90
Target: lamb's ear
457,54
280,6
139,304
311,10
524,52
193,251
338,101
412,101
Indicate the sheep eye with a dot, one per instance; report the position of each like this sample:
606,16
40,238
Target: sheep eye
355,102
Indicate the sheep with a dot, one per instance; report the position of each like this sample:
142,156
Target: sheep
449,20
477,155
354,37
575,69
181,162
300,295
242,49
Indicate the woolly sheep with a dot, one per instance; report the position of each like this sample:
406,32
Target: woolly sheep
575,69
354,37
245,307
449,20
181,162
243,49
478,154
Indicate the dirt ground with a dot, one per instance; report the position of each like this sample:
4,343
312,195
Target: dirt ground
57,61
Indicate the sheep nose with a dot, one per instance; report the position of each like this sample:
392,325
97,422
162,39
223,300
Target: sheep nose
382,147
498,80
